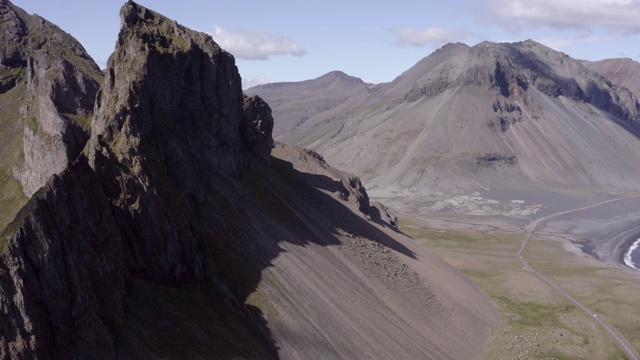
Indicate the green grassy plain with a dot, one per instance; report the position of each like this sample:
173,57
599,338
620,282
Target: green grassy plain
537,322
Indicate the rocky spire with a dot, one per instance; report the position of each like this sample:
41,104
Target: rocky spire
177,89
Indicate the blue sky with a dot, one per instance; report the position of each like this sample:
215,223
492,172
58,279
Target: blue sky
286,40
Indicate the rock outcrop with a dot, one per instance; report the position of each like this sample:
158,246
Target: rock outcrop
61,83
257,127
169,124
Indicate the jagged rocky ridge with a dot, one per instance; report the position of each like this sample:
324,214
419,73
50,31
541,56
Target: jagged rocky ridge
61,82
48,85
169,123
150,243
511,68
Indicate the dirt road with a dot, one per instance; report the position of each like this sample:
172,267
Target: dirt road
615,335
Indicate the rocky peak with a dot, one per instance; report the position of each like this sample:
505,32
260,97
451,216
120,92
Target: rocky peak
171,95
24,35
340,76
50,83
511,69
408,79
143,199
13,31
170,115
451,47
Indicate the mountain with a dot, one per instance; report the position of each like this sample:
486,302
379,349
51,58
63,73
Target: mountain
176,234
48,85
295,103
622,72
483,118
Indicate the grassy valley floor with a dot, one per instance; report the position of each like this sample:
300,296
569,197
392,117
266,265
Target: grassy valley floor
537,322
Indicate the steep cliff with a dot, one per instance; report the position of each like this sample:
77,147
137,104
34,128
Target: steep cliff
137,202
48,85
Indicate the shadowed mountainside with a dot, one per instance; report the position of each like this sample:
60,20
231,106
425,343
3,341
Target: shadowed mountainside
175,235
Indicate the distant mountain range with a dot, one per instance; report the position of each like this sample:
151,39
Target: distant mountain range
466,119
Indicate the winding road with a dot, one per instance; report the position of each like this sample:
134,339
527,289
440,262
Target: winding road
615,335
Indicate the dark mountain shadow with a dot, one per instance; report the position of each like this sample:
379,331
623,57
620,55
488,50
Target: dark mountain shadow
245,222
338,214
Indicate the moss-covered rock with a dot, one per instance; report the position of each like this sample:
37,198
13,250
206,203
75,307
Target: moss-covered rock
61,84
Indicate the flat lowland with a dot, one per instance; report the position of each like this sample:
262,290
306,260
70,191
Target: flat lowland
537,322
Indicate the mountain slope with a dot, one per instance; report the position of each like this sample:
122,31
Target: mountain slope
622,72
489,116
48,85
175,234
294,103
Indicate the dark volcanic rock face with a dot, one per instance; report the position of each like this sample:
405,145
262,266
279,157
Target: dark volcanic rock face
63,272
169,131
167,83
257,127
61,84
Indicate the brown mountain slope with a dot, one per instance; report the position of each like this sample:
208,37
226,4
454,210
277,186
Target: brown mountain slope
294,103
175,235
492,116
336,93
622,72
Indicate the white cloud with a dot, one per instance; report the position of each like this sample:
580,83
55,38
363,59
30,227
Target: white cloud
255,45
258,80
618,15
428,36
